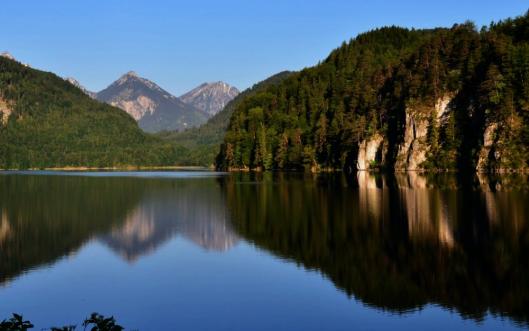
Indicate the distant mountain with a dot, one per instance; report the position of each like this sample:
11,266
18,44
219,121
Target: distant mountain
210,97
203,142
154,108
47,122
76,83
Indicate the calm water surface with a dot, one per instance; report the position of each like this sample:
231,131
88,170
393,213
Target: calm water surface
211,251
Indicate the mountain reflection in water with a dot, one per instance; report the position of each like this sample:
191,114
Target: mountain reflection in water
397,243
43,218
193,209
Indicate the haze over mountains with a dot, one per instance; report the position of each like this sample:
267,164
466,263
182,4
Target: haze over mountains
157,110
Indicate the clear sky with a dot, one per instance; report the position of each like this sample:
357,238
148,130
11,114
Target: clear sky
180,44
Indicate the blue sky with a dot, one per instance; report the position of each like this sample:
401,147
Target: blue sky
180,44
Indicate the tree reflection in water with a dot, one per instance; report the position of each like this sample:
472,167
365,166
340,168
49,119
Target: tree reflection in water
397,242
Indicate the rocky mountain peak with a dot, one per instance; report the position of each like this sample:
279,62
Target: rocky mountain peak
210,97
129,76
154,108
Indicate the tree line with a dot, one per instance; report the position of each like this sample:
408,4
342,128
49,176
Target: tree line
317,118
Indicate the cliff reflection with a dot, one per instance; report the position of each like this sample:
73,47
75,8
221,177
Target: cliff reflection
44,218
397,242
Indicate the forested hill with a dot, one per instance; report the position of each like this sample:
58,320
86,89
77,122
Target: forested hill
47,122
203,142
454,98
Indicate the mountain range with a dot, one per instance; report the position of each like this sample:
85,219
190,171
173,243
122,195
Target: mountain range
154,108
392,98
48,122
157,110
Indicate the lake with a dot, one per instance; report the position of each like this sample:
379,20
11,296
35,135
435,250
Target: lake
274,251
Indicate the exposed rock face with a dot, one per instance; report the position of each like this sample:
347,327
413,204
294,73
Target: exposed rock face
210,97
154,108
367,152
414,149
485,154
76,83
5,112
8,55
412,152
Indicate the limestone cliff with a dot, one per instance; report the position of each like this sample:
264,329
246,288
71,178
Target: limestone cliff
367,152
486,153
413,150
5,112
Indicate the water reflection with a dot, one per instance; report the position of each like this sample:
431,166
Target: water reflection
398,242
194,209
43,218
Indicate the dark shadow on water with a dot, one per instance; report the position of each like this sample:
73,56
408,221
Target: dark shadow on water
398,242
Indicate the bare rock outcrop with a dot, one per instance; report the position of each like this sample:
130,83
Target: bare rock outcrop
5,112
413,151
485,155
367,152
210,97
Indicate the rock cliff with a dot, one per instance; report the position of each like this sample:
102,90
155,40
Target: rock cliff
413,151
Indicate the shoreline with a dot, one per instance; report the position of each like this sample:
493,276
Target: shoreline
125,168
247,170
386,171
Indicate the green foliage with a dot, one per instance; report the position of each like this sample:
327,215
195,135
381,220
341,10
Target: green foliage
15,323
101,323
320,115
95,322
308,117
54,124
203,142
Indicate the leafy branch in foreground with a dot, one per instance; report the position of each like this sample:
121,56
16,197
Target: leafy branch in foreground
95,322
15,323
100,323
